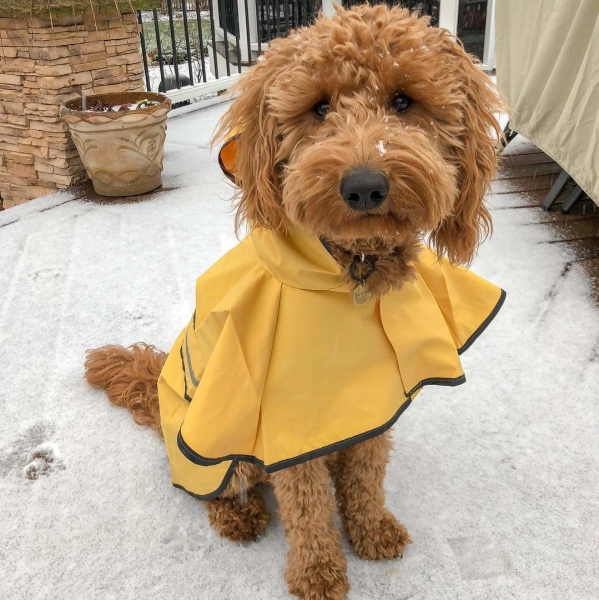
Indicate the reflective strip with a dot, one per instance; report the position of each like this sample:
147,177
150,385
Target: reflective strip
189,365
185,394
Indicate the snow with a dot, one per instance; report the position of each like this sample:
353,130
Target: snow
117,107
496,480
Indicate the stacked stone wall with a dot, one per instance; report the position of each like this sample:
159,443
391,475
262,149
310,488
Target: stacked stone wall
42,64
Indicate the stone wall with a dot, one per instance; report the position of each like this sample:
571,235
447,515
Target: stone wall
43,64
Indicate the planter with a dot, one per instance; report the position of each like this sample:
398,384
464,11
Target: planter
122,152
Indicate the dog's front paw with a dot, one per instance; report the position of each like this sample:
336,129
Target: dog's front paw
379,538
323,579
236,520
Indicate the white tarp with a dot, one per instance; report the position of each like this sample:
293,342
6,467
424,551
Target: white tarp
547,57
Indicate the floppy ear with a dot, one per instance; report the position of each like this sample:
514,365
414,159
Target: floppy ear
459,235
255,168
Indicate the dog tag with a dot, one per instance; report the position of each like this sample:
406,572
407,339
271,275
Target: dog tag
361,295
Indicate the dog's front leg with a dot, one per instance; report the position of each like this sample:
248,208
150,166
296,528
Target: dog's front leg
359,474
316,565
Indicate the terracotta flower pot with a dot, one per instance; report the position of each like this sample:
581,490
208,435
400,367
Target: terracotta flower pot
122,152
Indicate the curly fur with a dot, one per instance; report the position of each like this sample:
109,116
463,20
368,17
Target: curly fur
240,518
130,378
439,157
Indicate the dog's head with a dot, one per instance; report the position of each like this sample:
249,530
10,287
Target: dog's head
368,126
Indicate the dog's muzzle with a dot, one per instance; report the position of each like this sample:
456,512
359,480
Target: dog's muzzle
364,189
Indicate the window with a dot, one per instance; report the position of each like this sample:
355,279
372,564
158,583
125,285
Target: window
472,20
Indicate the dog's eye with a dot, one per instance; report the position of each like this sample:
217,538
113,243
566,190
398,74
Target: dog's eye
322,108
401,102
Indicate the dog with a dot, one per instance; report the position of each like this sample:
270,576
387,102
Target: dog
351,142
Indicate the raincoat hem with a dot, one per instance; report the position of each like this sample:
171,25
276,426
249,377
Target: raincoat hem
284,464
447,381
194,457
218,491
197,459
484,324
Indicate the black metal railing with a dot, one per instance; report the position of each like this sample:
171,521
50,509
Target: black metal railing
424,7
174,45
178,5
186,42
226,13
472,19
277,18
194,41
472,23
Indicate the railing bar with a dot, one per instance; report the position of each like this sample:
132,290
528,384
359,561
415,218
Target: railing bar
223,13
237,44
159,47
260,24
236,27
186,29
143,50
286,14
295,14
247,31
201,36
277,16
265,25
169,7
214,50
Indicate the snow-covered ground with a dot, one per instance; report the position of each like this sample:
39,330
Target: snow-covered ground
497,480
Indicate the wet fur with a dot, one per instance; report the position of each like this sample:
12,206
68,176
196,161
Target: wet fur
439,156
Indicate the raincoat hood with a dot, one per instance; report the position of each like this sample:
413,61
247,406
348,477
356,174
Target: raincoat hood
279,366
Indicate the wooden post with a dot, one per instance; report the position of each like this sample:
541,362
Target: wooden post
328,9
448,15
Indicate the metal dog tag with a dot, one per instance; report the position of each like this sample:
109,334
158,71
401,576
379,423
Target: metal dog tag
361,295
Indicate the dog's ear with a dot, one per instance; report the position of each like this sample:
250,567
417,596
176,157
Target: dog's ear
255,170
459,235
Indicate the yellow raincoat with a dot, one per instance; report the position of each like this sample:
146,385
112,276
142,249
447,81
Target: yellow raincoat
279,366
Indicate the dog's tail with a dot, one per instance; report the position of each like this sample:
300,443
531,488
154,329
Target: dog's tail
130,378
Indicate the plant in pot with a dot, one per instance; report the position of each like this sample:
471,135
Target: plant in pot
120,139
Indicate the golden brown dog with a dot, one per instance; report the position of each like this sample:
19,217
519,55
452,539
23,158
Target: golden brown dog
373,91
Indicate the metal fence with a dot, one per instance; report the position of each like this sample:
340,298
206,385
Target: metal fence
177,5
424,7
206,43
278,18
191,42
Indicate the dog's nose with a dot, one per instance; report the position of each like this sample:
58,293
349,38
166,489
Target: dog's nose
364,189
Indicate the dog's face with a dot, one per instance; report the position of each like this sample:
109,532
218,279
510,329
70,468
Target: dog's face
369,126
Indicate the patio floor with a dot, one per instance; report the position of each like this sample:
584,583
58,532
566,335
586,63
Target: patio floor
496,480
529,173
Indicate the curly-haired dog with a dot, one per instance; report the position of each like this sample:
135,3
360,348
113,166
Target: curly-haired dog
354,139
